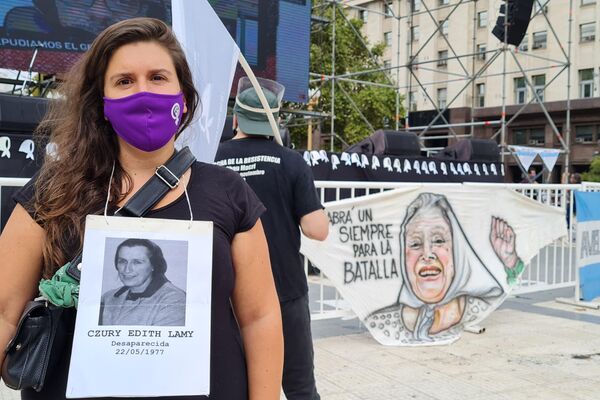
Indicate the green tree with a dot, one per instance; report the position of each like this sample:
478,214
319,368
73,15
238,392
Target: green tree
377,104
593,174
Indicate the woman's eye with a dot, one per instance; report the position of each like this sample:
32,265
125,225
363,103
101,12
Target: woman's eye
124,81
414,245
158,78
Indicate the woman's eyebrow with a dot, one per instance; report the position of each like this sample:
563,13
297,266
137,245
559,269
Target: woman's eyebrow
151,72
160,71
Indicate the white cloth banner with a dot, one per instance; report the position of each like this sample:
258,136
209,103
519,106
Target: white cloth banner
144,309
213,55
417,264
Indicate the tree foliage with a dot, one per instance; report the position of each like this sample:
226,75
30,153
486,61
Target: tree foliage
593,174
377,104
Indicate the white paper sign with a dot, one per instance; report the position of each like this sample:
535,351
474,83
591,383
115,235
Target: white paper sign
144,309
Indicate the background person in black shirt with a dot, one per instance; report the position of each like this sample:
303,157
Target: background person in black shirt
284,184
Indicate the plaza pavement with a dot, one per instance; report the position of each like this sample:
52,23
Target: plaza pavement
533,348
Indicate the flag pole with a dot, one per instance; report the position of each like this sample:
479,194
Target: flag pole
261,96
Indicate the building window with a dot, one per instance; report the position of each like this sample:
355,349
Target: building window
387,10
442,58
480,94
414,33
539,83
585,133
414,61
520,137
586,83
539,40
537,137
416,5
587,32
363,15
529,136
387,38
387,64
524,46
538,5
586,2
520,91
443,2
412,101
444,27
481,52
442,97
482,19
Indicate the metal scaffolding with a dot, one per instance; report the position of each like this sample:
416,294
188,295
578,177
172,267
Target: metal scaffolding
466,77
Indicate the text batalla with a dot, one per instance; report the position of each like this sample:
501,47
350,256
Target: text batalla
370,270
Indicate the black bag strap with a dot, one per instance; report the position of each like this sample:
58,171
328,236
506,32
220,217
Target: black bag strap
165,178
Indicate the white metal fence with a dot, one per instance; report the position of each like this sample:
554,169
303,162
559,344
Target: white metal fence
553,267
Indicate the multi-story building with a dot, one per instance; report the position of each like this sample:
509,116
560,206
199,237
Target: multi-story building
447,57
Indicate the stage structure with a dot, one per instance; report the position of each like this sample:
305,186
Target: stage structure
513,63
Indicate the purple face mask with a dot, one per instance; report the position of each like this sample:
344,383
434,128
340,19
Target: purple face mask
145,120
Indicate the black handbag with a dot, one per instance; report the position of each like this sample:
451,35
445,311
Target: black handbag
29,353
43,330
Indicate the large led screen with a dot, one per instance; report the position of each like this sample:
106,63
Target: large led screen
274,35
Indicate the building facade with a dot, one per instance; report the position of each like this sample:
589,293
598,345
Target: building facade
443,54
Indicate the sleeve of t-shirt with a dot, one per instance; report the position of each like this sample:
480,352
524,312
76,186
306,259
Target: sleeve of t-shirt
306,199
25,196
246,205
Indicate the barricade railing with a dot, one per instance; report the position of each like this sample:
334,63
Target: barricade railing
552,268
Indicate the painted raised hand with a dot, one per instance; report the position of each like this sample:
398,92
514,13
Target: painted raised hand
502,237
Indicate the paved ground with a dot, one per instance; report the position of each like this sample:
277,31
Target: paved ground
533,348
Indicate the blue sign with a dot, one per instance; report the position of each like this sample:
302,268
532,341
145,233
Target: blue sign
588,244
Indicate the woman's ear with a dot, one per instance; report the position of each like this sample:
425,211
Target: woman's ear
184,107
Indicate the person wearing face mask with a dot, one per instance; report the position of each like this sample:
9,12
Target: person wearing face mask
123,105
147,297
444,282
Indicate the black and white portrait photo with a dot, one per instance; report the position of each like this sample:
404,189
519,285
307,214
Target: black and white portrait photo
144,282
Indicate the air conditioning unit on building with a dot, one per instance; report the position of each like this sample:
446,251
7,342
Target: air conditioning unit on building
583,140
536,142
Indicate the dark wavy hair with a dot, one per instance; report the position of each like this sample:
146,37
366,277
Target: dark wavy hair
155,254
74,181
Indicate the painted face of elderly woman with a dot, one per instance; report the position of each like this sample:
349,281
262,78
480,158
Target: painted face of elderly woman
134,267
428,254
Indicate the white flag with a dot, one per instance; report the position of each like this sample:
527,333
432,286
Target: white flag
549,157
213,55
525,155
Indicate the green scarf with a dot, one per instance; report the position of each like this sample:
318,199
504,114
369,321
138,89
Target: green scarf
61,290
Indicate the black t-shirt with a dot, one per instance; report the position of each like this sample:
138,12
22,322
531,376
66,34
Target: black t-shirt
220,196
284,183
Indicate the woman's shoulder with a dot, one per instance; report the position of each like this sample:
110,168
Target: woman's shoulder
113,295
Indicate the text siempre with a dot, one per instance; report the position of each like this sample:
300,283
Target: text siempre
371,247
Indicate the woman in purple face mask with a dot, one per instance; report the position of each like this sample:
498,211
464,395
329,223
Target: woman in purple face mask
124,104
